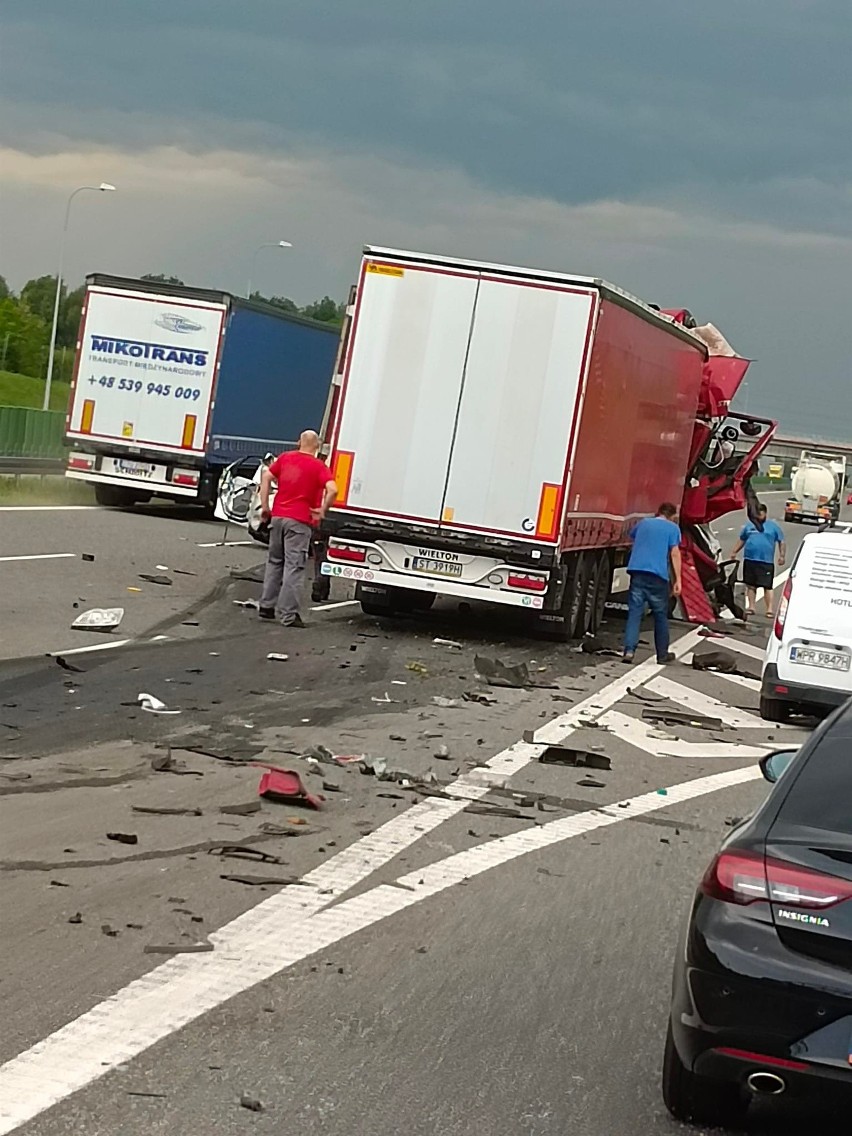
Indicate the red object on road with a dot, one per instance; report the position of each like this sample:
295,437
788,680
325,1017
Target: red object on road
285,785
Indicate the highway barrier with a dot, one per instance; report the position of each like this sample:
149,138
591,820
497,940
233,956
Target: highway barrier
31,435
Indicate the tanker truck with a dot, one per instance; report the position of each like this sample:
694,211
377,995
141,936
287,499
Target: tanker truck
817,489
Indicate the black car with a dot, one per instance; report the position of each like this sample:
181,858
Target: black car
762,992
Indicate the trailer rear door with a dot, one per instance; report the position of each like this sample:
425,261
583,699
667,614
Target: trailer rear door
411,333
521,386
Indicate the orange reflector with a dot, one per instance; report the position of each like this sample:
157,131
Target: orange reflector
188,436
547,523
88,416
341,471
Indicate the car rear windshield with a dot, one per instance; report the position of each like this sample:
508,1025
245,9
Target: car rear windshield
822,794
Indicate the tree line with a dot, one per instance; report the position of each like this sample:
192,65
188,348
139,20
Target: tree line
26,320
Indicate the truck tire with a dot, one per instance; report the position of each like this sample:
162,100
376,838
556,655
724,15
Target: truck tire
120,497
602,594
773,709
572,597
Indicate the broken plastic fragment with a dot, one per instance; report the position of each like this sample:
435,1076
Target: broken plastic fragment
154,705
277,657
98,619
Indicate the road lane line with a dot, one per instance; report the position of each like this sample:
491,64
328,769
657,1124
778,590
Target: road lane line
745,648
45,508
228,544
183,989
640,734
342,603
41,556
89,650
705,704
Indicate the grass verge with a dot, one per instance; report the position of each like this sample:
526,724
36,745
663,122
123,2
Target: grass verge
31,489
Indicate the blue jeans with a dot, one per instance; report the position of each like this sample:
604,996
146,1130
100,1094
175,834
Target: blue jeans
647,590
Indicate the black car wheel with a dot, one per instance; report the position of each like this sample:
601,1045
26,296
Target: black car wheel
697,1099
773,709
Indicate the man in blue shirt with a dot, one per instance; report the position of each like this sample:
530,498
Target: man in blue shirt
655,574
758,542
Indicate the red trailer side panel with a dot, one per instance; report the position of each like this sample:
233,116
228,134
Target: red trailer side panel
636,423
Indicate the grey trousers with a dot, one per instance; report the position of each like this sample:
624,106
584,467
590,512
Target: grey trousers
289,542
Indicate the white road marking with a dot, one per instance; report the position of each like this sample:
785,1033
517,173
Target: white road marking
739,680
704,704
330,606
745,648
41,556
45,508
638,733
181,990
228,544
94,647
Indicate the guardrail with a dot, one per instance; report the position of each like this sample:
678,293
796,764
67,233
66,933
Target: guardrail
35,466
28,435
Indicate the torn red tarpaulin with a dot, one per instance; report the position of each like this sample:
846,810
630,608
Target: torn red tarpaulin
285,785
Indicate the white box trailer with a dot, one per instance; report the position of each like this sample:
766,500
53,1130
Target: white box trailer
496,431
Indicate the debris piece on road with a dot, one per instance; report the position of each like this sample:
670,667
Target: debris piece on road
481,696
373,766
165,581
123,837
593,646
442,753
66,666
140,1093
244,852
720,659
253,604
445,703
447,643
662,736
152,810
483,808
383,701
330,787
78,918
398,682
154,705
417,668
321,754
392,796
497,673
567,755
177,948
277,657
165,763
285,785
195,670
135,590
265,881
59,884
183,572
645,695
732,822
251,1103
189,623
162,568
88,556
662,792
242,809
681,718
271,829
397,737
110,932
591,783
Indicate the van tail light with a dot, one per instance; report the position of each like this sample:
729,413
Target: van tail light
351,553
781,616
746,877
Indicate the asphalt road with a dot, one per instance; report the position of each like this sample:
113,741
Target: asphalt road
438,970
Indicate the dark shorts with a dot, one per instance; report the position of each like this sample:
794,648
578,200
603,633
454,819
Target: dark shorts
758,574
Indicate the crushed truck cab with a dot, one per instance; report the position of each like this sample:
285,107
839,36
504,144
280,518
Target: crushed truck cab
496,432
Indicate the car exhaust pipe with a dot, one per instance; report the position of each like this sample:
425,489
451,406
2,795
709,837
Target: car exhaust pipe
766,1084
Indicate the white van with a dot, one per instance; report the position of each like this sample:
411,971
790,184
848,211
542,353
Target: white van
808,664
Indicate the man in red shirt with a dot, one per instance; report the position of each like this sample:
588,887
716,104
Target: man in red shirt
305,493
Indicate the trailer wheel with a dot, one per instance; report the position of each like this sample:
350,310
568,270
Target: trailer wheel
120,497
572,597
602,592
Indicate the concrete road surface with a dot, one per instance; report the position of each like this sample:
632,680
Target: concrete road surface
437,965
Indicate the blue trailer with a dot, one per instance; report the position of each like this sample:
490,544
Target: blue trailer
172,384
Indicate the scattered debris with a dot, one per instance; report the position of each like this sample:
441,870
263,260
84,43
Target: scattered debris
497,673
78,918
165,763
397,737
110,932
383,701
398,682
417,668
591,783
140,1093
330,787
645,695
253,604
567,755
123,837
373,766
277,657
163,568
265,881
151,810
445,703
88,556
178,948
285,785
662,736
245,809
481,696
66,666
183,572
154,705
59,884
593,646
251,1103
190,623
447,643
681,718
442,753
732,822
483,808
720,659
165,581
244,852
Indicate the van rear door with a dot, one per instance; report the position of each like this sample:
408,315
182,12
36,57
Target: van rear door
817,645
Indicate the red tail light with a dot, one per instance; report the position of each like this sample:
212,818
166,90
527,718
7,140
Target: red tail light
782,608
745,877
348,552
527,583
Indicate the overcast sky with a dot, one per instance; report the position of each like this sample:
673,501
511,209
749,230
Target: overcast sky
697,155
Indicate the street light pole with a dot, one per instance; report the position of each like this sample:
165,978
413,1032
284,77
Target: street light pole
260,248
104,187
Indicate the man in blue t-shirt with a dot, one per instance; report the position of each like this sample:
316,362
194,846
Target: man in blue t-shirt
758,543
654,569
